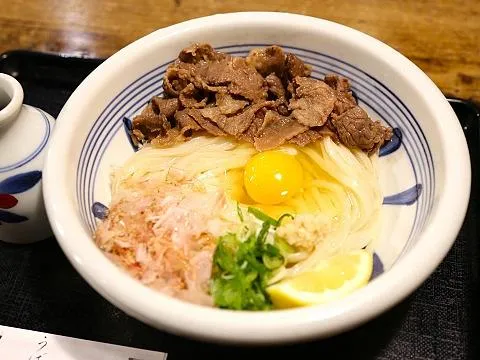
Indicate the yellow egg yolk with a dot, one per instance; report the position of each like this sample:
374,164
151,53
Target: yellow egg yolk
271,177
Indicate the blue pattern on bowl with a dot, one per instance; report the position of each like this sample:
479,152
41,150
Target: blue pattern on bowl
407,197
99,210
378,268
128,127
393,145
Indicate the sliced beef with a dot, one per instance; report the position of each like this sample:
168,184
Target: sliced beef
246,82
149,124
215,73
166,107
214,115
171,137
205,123
237,124
306,137
203,76
255,127
345,100
269,118
190,121
208,76
191,97
356,129
277,132
278,92
228,105
234,74
228,74
338,83
186,123
296,67
282,109
177,77
269,60
198,52
275,87
312,135
312,101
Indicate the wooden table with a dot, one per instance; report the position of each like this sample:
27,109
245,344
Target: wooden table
441,37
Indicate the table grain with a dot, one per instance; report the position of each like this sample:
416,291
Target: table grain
441,37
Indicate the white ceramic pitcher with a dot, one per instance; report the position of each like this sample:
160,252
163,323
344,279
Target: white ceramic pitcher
24,135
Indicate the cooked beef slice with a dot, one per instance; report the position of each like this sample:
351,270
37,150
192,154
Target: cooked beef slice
149,124
275,87
296,67
191,97
312,101
237,124
311,135
345,99
338,83
205,123
186,123
246,82
277,132
230,74
198,52
172,137
166,107
214,114
269,60
356,129
255,127
343,102
282,109
177,77
228,105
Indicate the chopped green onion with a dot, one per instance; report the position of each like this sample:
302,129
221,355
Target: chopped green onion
262,216
282,217
239,212
273,262
284,247
263,232
244,262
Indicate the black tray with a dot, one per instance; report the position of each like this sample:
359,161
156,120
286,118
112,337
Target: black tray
39,289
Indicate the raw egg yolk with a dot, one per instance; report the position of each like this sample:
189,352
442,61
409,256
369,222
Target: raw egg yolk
271,177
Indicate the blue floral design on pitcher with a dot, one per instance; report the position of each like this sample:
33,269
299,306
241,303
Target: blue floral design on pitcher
15,184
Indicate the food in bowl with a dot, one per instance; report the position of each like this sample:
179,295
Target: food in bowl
254,186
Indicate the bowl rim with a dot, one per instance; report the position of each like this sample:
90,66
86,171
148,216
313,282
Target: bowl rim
211,324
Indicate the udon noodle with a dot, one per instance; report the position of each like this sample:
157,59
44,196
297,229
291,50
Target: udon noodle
342,190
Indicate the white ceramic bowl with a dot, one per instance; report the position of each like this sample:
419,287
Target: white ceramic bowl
426,180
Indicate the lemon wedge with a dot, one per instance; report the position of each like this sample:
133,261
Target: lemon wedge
332,279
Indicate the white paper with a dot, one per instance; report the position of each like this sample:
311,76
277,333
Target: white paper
21,344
